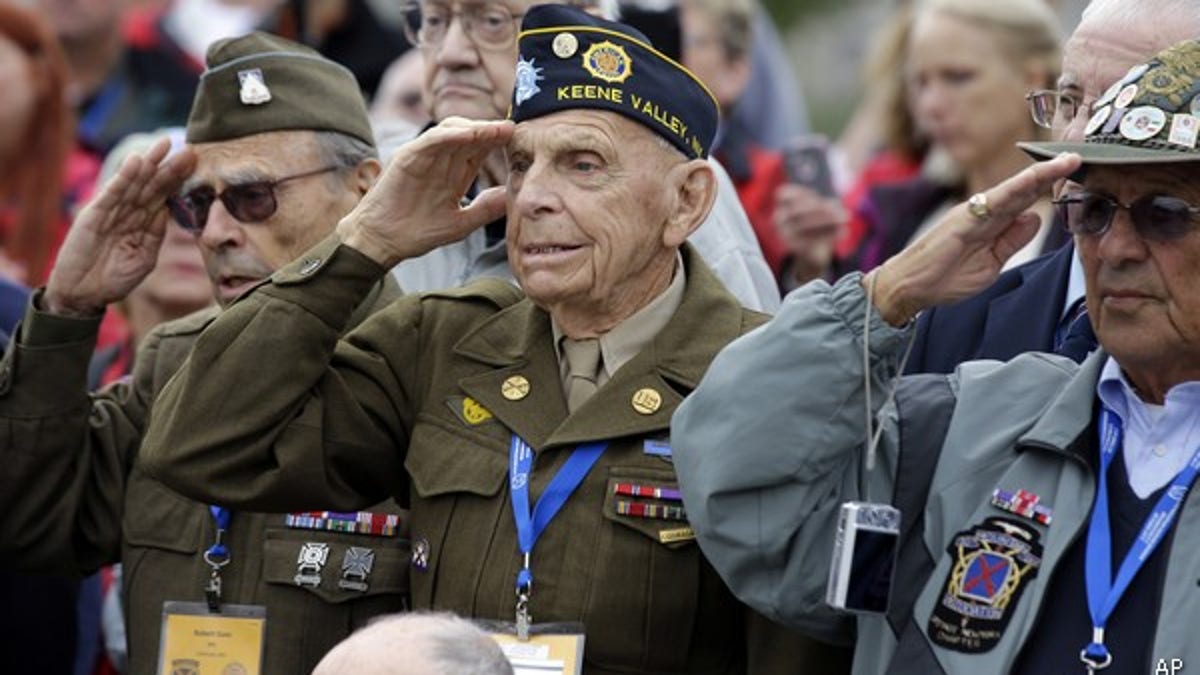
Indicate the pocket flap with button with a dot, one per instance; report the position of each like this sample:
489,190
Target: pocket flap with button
442,462
666,526
355,565
156,517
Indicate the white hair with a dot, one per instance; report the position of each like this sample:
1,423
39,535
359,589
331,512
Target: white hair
416,642
1172,15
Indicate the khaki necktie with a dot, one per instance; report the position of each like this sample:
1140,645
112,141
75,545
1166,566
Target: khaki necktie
583,365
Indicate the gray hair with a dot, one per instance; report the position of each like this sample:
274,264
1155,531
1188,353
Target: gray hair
343,150
1166,13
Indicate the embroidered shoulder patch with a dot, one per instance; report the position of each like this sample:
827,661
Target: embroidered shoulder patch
993,563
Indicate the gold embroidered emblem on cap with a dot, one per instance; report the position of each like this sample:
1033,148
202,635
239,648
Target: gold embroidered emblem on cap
474,413
565,45
608,62
646,401
515,388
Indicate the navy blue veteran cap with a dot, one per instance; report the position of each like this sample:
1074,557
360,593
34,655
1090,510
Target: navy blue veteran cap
570,59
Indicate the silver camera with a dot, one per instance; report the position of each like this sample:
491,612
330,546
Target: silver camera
864,558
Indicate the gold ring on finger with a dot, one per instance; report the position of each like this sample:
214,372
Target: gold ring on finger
978,206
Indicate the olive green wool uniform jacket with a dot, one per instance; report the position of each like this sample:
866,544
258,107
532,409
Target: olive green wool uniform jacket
413,404
74,496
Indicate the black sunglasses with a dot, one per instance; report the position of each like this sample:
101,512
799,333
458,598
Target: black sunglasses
1155,217
248,202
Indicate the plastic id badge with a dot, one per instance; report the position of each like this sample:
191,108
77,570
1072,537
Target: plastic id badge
552,648
196,641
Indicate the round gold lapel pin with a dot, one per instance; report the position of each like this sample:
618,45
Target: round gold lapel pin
515,388
646,401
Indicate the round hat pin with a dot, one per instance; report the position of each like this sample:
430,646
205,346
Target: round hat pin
1142,123
565,45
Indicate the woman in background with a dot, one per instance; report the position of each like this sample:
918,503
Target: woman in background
968,65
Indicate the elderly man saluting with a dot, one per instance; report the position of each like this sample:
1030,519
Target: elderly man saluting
1047,522
279,149
526,428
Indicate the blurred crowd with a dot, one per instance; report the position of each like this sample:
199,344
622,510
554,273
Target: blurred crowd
950,87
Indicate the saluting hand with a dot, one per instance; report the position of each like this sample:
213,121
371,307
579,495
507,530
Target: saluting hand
964,253
114,241
416,206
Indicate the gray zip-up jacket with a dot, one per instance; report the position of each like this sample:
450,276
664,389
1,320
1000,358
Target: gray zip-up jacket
772,443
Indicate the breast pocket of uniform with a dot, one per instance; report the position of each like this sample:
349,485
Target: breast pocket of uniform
457,475
648,576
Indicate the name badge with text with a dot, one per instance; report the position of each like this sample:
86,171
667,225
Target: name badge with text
196,640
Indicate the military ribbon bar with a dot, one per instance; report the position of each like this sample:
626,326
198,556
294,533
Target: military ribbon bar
358,522
650,491
1023,503
626,507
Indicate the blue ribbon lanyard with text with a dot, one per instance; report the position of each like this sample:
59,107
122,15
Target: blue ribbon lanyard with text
217,556
1104,592
530,525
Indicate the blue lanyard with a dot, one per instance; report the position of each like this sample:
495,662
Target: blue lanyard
1103,592
562,485
217,556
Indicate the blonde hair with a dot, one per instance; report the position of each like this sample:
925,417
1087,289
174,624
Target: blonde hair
1027,30
735,21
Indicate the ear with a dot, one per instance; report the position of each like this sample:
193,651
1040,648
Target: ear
365,175
696,190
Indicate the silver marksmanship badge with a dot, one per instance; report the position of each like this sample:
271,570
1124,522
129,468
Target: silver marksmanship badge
356,566
254,89
312,558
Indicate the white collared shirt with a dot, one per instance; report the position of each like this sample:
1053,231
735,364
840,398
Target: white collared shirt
1159,439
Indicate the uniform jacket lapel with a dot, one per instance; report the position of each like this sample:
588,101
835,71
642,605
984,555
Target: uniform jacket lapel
519,341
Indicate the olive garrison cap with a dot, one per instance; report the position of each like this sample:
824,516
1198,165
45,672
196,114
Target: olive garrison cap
1149,116
570,59
261,82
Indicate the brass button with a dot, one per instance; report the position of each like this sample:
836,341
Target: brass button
646,401
515,388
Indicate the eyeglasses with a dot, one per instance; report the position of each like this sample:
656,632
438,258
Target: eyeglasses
1052,109
1155,217
490,25
247,202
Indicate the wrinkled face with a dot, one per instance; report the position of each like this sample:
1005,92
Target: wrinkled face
1100,52
462,79
966,94
1144,296
236,254
19,98
589,199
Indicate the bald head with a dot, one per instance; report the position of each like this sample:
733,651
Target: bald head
1112,37
416,644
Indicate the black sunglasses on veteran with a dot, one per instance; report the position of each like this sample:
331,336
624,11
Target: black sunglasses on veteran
251,202
1155,217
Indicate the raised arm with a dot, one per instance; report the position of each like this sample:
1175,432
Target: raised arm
771,443
65,455
270,412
